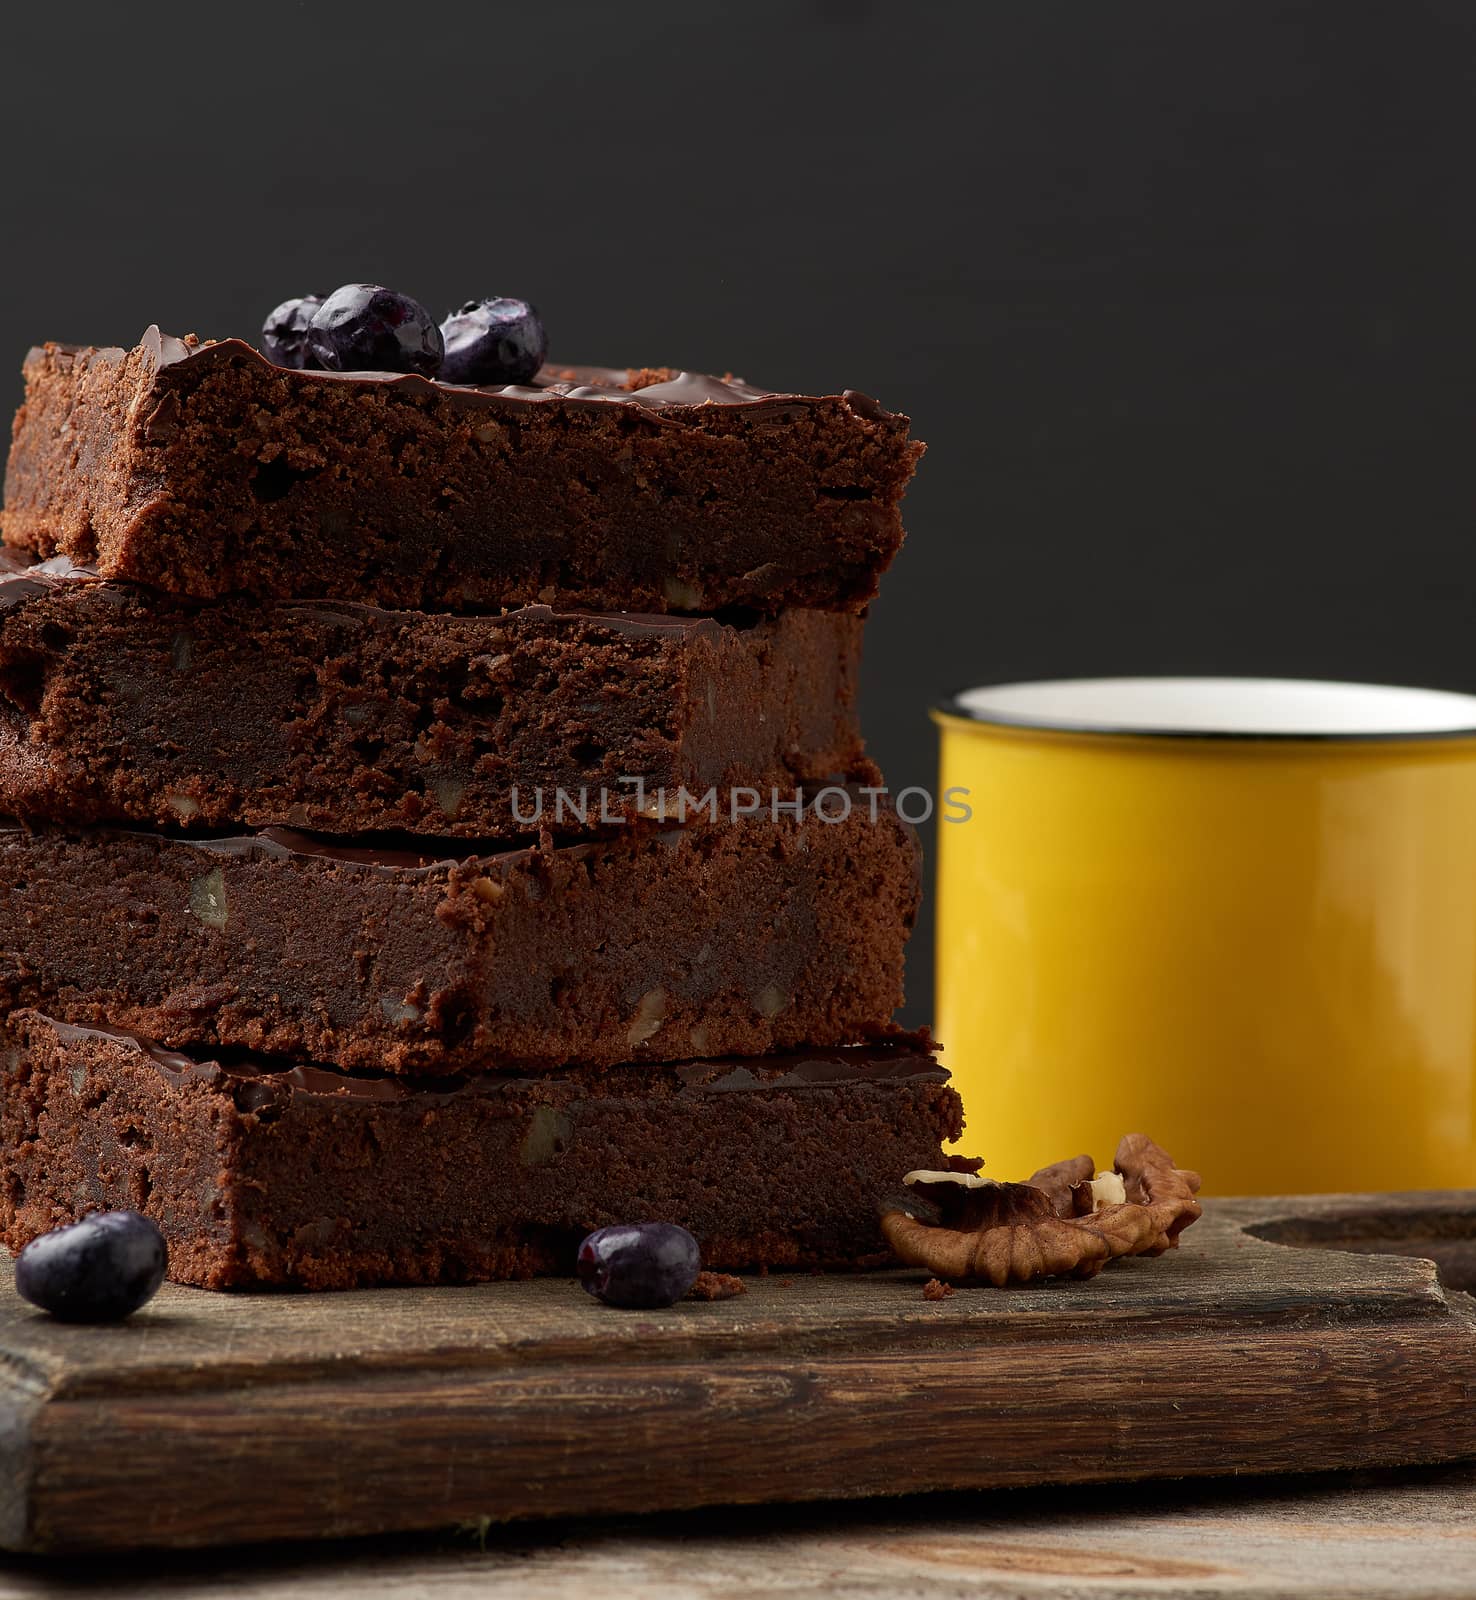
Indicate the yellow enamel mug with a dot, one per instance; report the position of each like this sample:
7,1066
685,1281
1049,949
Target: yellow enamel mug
1236,914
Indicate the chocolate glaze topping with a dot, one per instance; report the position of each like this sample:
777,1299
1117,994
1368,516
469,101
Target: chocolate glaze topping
21,581
171,1061
421,855
416,855
903,1057
664,402
411,853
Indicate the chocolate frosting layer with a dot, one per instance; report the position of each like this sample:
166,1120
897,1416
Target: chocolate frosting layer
410,854
21,581
171,1060
668,400
418,856
285,843
901,1058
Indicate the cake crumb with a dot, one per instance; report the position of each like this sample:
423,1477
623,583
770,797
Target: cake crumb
936,1289
786,1283
716,1286
637,378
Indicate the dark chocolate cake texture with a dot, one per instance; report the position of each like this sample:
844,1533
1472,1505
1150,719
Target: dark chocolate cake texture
118,704
655,944
320,1179
288,960
204,469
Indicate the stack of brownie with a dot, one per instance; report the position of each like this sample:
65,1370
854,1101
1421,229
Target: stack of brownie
438,820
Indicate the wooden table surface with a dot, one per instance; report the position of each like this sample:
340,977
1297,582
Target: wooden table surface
1396,1534
1272,1341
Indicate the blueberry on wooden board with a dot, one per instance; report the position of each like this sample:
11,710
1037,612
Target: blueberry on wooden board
284,333
364,327
493,341
639,1265
97,1270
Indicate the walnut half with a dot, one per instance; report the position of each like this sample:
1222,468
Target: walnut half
1067,1221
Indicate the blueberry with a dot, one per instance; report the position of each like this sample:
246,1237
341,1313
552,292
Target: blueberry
493,342
639,1265
284,333
96,1270
364,327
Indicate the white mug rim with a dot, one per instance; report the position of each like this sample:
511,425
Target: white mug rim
1173,707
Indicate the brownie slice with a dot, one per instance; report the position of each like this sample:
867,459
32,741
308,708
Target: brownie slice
260,1174
121,705
204,469
656,944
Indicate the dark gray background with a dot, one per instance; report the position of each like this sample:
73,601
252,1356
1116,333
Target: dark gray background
1180,292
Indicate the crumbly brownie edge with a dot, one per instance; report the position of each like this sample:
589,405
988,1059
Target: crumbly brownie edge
351,719
221,472
658,943
259,1185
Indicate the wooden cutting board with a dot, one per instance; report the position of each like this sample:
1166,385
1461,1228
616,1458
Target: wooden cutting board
1259,1346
